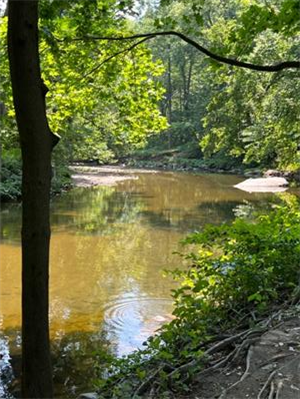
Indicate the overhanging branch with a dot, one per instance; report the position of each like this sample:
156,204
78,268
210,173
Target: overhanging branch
224,60
127,49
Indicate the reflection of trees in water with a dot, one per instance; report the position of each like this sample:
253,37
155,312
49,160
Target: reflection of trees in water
184,221
217,213
101,268
92,211
6,371
10,223
95,211
247,209
202,214
74,357
165,200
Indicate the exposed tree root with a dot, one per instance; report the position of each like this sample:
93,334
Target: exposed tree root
275,386
225,354
218,347
246,373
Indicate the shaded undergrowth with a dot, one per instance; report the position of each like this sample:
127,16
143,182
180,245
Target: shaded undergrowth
11,176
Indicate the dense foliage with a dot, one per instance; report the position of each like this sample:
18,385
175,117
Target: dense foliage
99,103
104,95
109,98
102,98
237,272
247,116
10,176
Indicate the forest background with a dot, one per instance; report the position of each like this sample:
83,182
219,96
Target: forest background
162,103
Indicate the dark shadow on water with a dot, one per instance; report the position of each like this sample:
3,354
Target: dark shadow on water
77,358
203,214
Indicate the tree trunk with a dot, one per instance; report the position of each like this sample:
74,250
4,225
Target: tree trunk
169,94
169,86
37,142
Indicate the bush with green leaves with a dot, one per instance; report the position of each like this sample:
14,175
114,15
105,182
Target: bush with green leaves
10,175
237,269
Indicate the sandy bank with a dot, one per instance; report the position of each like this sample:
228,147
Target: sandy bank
91,176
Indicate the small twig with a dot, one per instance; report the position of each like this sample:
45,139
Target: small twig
279,388
152,393
218,363
278,357
253,316
272,389
246,373
127,49
245,344
259,396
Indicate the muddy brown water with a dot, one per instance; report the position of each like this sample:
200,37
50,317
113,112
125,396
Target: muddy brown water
109,247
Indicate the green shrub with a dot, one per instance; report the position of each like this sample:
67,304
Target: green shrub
236,269
10,175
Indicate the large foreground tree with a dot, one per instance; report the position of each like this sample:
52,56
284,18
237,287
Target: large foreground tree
37,143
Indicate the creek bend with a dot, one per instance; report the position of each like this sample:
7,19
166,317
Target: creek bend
109,247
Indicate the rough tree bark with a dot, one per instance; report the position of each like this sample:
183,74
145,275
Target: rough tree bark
37,142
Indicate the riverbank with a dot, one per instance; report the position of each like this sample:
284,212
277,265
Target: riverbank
84,175
237,318
109,175
176,159
258,362
183,158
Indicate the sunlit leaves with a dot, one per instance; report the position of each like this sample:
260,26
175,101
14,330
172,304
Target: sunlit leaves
111,100
249,115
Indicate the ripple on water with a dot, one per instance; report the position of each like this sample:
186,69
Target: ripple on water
130,321
6,373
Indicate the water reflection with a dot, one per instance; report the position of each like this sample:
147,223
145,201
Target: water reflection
133,320
6,372
10,223
108,248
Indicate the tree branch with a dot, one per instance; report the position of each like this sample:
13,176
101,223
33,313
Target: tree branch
115,55
224,60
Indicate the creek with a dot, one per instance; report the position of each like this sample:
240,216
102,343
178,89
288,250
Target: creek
109,247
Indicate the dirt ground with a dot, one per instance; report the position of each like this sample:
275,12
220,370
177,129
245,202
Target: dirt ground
259,366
